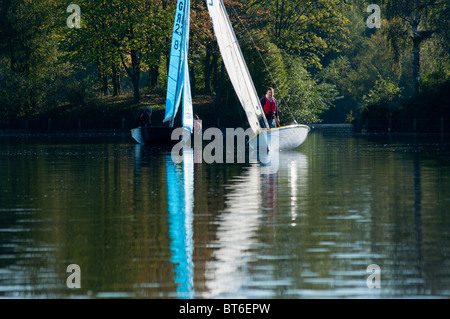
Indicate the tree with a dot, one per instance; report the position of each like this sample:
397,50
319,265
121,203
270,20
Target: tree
306,98
305,28
93,42
131,34
357,68
28,55
272,63
424,18
378,102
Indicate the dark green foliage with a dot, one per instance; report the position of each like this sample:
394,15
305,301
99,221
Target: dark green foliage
432,102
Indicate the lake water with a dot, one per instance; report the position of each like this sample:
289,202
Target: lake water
139,225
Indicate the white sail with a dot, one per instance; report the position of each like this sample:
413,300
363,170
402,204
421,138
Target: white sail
235,65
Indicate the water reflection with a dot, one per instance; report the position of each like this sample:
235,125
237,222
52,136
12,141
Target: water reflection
418,212
295,171
306,225
251,202
180,201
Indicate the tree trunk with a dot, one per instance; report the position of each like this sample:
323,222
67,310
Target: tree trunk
416,67
136,95
167,54
119,86
134,74
102,77
214,70
115,81
137,75
153,74
417,37
105,84
414,21
208,69
220,88
192,78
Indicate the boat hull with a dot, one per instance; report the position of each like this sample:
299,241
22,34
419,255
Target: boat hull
155,135
281,138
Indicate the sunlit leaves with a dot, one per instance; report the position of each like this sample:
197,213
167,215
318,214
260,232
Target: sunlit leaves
377,103
309,29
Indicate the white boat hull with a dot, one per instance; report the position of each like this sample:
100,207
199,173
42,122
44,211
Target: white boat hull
281,138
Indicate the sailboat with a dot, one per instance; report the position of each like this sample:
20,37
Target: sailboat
280,138
178,86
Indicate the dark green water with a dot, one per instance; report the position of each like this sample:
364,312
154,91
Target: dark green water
139,225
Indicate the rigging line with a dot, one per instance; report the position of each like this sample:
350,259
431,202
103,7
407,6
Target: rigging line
262,59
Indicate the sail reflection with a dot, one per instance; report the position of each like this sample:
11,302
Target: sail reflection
252,199
180,200
180,203
291,168
296,168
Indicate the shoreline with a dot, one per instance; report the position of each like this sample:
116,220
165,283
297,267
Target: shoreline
335,129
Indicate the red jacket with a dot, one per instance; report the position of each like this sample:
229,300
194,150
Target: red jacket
270,108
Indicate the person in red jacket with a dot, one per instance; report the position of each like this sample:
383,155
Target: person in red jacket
270,106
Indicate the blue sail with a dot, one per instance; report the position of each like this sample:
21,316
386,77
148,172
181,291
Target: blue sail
178,74
175,64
